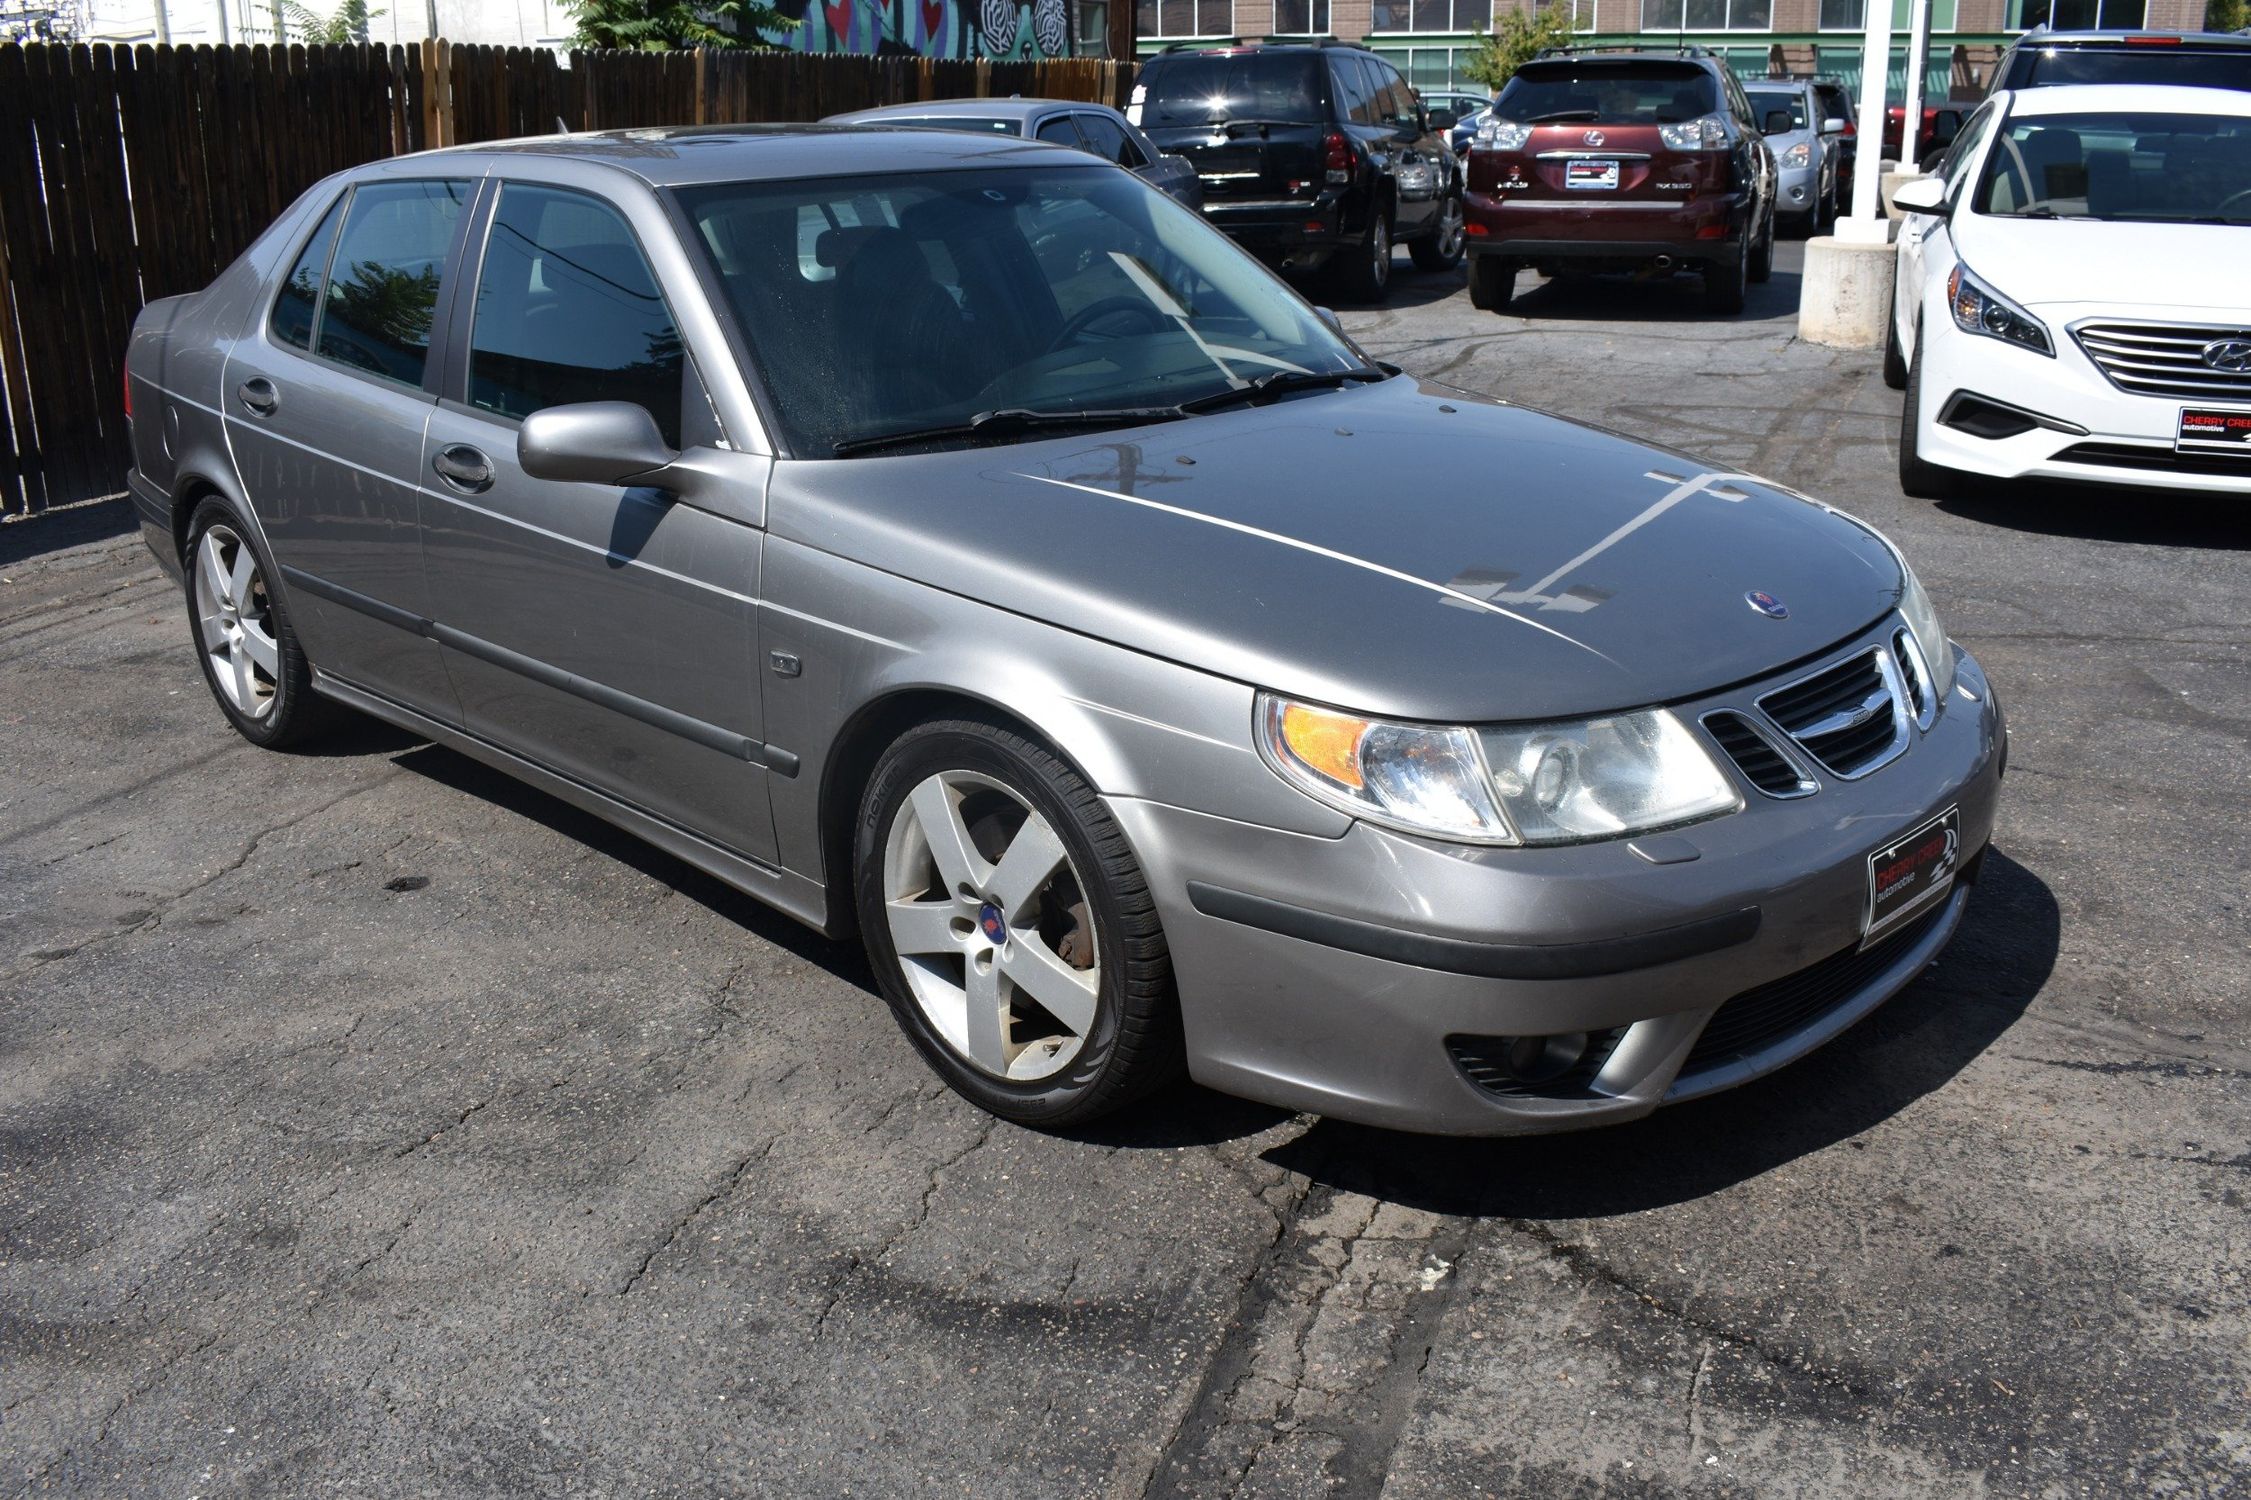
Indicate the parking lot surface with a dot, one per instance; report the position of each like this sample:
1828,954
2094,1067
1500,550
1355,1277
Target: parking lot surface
370,1124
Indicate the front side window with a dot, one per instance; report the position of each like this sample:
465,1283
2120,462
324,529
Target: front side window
1965,151
383,279
2121,166
299,298
568,311
1106,140
1054,289
1615,94
1766,101
1059,131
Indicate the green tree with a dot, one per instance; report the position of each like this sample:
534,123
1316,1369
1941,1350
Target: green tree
673,25
2226,15
1520,36
346,23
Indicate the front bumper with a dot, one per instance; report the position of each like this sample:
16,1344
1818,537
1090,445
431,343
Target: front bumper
1415,943
1797,190
2101,434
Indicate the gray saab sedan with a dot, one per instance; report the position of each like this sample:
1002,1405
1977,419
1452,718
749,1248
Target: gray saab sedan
956,542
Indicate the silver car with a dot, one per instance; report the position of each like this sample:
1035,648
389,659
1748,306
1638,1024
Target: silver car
1807,150
959,543
1095,129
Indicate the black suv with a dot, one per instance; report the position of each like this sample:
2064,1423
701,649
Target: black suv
2197,59
1310,156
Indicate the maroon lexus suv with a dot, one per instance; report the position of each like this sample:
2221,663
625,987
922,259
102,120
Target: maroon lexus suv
1620,161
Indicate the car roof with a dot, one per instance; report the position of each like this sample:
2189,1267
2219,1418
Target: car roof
1611,59
1797,85
2146,98
961,109
2225,39
676,156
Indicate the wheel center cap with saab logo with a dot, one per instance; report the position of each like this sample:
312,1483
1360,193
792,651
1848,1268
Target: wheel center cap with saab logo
1594,138
2231,355
992,924
1766,604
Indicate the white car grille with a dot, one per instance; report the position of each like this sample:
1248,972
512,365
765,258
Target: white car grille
2166,359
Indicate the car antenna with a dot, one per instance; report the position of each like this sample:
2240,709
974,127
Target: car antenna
561,128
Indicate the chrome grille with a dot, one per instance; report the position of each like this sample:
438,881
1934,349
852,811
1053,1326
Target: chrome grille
2164,359
1759,759
1851,717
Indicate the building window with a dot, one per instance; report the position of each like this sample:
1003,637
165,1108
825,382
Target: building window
1431,16
2078,15
1184,18
1301,17
1851,15
1708,15
1094,28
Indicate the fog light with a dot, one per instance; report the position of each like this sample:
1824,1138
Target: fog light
1543,1059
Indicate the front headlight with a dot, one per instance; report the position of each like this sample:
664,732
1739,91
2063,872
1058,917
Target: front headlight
1800,155
1542,784
1930,636
1981,310
1502,135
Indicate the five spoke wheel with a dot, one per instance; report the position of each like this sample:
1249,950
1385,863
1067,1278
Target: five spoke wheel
990,923
234,618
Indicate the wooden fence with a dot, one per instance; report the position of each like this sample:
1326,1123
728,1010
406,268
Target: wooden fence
131,174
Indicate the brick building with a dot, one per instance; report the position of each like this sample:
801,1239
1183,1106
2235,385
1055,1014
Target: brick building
1431,40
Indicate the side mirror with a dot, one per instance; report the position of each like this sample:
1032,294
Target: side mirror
593,442
1832,126
1779,122
1925,195
1444,119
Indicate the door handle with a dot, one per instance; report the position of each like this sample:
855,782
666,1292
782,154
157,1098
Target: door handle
463,467
259,395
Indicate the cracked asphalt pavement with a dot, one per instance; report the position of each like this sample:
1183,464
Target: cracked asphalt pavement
372,1125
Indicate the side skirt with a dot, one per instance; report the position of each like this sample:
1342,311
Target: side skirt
785,890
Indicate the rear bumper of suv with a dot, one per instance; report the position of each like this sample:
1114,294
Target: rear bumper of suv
1291,230
1700,229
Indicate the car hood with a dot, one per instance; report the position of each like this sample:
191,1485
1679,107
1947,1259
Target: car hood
2036,261
1401,549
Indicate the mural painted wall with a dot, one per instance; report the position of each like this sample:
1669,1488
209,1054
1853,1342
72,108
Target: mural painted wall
1019,30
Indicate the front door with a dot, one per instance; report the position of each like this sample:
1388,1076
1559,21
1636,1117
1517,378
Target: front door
327,399
609,634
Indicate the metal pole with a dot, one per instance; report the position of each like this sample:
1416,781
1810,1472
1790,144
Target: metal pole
1918,45
163,25
1866,224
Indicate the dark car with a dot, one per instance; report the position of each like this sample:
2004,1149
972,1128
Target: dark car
1095,129
1312,157
1621,161
2195,59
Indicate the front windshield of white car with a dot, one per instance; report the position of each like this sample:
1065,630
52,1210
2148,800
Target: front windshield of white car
885,310
2122,166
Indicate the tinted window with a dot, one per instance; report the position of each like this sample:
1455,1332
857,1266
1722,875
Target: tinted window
383,280
1395,102
1632,94
2228,68
1284,87
1965,149
1105,139
1356,99
1765,101
1059,131
568,311
300,294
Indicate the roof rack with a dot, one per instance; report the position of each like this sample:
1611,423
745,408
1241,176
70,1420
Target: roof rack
1682,49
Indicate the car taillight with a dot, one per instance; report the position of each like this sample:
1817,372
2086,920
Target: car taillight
128,395
2153,41
1336,156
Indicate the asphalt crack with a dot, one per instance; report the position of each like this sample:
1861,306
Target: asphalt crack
728,1182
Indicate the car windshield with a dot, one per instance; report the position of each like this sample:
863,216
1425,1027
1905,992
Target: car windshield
2190,67
882,306
1613,93
1283,88
2121,166
1765,101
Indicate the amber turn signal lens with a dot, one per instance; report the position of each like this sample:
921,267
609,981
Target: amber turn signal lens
1325,742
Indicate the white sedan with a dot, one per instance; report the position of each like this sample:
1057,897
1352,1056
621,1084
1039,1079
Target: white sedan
2073,299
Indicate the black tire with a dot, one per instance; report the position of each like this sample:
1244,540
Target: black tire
294,713
1133,1044
1762,254
1895,358
1492,283
1441,250
1363,271
1917,477
1724,285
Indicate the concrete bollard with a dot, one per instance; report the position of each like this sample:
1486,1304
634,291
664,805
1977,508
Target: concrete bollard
1844,300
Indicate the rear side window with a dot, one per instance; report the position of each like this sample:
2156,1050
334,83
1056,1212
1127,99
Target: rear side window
383,279
1283,88
567,311
1059,131
1356,96
299,299
1616,94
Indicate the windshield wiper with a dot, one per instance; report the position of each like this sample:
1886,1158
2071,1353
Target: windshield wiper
1267,387
1006,421
1561,114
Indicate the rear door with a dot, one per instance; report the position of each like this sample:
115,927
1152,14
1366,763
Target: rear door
1418,166
327,399
1250,123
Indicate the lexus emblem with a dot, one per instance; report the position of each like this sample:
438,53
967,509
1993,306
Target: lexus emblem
1594,138
1766,604
2230,355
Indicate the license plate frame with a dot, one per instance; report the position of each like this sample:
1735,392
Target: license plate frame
1589,174
2213,429
1910,873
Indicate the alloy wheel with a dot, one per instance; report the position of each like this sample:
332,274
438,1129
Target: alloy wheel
1379,253
234,617
1450,228
990,922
